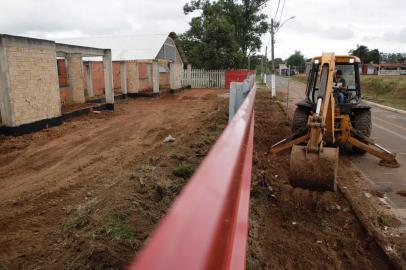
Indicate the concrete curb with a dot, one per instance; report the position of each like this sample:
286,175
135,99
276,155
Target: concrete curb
385,107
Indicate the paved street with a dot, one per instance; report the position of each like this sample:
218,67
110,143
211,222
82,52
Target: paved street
389,130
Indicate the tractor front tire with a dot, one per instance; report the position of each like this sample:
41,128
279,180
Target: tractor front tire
363,124
300,117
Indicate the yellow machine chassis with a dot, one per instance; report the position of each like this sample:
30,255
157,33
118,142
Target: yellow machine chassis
313,165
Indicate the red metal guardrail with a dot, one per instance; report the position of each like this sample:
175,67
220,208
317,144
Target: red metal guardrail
207,225
237,75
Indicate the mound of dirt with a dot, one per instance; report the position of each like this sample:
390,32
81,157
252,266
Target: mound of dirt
293,228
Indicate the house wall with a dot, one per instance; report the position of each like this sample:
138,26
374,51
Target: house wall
164,75
145,76
29,89
170,52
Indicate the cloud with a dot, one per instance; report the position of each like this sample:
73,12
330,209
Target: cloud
337,33
398,36
319,25
340,25
49,18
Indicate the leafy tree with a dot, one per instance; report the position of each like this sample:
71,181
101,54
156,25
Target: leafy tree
296,59
278,61
361,51
393,57
373,56
366,55
224,33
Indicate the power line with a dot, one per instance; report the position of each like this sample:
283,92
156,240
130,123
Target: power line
283,7
277,9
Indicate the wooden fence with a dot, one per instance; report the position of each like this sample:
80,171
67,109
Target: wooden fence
201,78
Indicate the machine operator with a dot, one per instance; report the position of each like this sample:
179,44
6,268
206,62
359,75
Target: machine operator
340,87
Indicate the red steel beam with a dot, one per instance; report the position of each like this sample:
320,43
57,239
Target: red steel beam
207,225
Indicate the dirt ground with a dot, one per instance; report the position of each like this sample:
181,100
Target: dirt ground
85,195
292,228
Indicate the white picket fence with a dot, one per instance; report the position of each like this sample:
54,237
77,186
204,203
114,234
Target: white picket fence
201,78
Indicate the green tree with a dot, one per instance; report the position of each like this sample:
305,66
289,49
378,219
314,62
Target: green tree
373,56
393,57
224,33
361,51
278,61
296,59
366,55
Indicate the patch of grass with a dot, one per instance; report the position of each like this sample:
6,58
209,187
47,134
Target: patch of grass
78,221
117,229
323,223
3,267
184,171
387,90
382,221
299,78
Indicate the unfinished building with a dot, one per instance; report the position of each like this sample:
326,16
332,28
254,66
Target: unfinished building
142,64
29,88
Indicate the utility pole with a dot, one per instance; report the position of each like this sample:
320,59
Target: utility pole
266,59
275,26
273,90
249,62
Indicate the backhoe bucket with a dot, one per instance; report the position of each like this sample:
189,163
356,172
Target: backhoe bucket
315,171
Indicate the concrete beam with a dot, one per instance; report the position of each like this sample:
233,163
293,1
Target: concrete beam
123,77
63,49
108,77
90,79
155,77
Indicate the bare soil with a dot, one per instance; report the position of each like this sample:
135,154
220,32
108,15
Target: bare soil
293,228
85,195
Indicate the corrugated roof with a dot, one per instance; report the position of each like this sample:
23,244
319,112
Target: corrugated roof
134,47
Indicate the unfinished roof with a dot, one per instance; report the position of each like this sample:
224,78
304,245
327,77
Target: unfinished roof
134,47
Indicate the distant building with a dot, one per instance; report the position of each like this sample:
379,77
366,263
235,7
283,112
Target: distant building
369,69
139,52
392,69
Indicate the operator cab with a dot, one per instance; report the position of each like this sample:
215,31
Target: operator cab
349,65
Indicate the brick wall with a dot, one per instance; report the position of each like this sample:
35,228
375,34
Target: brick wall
32,92
62,73
144,70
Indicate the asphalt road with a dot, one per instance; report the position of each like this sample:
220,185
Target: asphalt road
389,131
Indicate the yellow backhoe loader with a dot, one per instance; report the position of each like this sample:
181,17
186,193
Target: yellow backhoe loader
320,125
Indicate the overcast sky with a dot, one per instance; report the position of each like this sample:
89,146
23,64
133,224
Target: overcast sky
320,25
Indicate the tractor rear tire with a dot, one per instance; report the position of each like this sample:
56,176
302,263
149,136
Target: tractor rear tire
300,117
362,123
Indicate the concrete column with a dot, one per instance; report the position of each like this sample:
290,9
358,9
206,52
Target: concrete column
108,77
172,72
90,79
7,113
189,74
133,77
155,77
123,77
75,78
